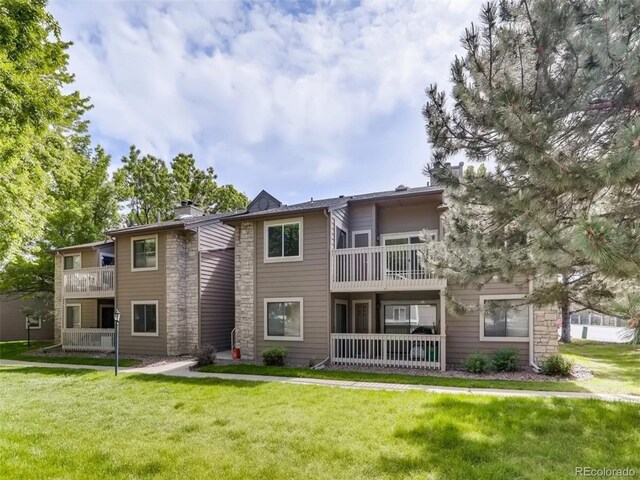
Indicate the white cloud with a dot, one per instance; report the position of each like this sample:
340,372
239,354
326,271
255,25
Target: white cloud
269,97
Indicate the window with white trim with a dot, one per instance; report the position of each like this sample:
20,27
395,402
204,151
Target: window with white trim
33,322
283,319
73,316
144,318
72,262
144,253
283,240
504,318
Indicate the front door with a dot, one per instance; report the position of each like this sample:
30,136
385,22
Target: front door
361,316
106,316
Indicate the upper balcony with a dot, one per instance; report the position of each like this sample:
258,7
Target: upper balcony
388,267
95,282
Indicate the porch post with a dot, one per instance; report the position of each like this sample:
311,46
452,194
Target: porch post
443,332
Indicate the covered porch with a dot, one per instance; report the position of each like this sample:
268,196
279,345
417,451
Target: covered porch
88,325
389,329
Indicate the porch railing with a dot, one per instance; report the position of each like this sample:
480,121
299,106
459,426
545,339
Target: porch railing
388,267
88,339
89,282
386,350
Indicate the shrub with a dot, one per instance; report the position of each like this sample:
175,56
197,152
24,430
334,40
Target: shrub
557,365
506,360
477,363
205,355
274,356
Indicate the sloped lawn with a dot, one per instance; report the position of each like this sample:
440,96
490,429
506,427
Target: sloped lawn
21,351
85,424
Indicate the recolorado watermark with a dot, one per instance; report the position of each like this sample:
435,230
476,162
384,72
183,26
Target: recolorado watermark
605,472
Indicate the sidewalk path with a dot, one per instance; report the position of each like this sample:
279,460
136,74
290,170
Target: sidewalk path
181,369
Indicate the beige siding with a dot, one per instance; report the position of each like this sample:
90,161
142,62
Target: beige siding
217,306
13,325
216,236
362,217
463,331
139,286
88,311
409,218
307,279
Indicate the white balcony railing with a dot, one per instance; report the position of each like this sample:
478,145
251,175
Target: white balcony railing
386,350
89,282
88,339
389,267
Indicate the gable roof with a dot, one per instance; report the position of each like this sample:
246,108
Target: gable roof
333,203
183,223
263,197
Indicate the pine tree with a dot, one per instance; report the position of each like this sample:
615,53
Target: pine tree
548,95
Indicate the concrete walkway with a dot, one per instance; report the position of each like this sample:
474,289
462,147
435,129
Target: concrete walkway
181,369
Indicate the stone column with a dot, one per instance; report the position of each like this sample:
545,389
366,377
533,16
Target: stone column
545,333
58,303
245,289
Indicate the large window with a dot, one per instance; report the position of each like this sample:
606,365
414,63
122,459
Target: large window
72,262
283,319
283,240
402,318
504,318
145,318
73,314
144,253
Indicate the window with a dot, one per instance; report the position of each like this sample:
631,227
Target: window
403,318
144,254
107,259
145,318
33,322
73,316
504,318
283,319
341,238
72,262
361,239
283,240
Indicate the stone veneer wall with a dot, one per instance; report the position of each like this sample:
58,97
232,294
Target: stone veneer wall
58,314
545,333
245,263
182,293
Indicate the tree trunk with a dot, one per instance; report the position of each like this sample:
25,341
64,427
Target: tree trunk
565,335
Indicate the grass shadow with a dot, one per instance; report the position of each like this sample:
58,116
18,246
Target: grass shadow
68,372
212,382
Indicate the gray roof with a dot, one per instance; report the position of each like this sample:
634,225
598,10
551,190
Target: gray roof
185,222
336,202
84,245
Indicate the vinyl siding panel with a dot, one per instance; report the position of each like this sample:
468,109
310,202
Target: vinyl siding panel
339,219
463,331
215,237
217,301
308,279
409,218
362,217
88,311
140,286
13,325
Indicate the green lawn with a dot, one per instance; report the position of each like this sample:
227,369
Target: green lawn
84,424
20,351
616,368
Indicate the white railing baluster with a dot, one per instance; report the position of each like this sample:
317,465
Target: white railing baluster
89,282
88,339
376,349
380,267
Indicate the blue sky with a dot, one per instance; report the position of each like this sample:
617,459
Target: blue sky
299,98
